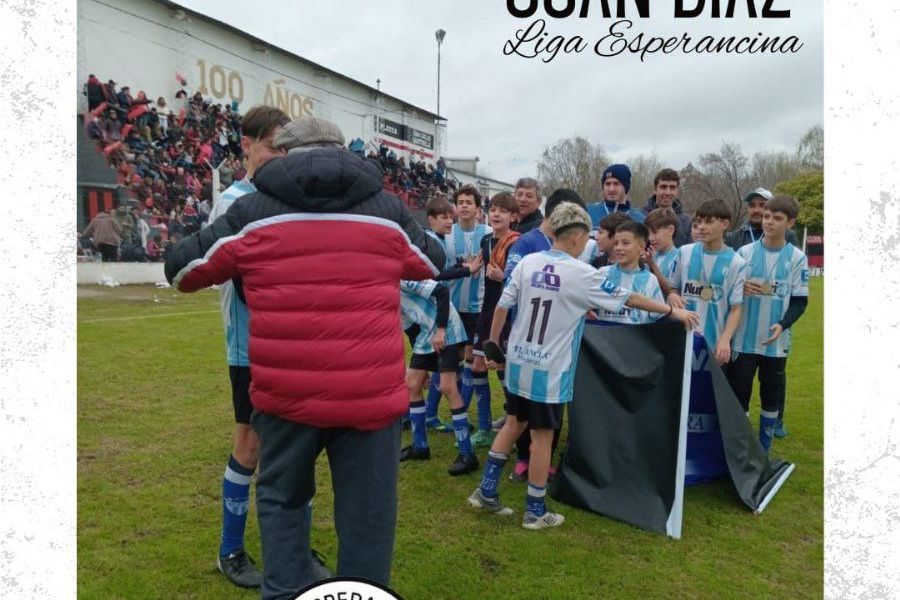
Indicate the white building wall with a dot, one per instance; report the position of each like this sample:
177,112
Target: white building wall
142,44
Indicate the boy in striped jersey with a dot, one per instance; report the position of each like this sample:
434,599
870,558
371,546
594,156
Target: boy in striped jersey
463,244
427,304
553,290
439,213
710,279
661,224
627,273
775,296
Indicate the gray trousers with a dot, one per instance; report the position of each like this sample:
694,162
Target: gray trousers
364,469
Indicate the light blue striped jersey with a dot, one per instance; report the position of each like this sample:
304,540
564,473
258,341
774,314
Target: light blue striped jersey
466,293
640,281
787,271
667,263
553,292
235,317
716,275
418,307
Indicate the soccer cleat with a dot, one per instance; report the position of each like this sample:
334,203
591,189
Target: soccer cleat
413,453
483,439
440,426
520,472
779,431
491,505
548,519
240,569
498,424
320,569
464,463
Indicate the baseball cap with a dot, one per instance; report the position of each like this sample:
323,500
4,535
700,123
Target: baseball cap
761,192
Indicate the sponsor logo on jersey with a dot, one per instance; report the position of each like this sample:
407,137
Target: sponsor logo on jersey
804,275
695,289
608,286
546,279
533,356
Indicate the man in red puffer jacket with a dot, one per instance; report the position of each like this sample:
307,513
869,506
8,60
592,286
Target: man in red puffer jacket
320,250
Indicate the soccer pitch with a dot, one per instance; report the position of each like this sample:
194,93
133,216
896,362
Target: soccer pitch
154,434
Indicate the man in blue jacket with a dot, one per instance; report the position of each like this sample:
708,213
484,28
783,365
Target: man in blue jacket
616,180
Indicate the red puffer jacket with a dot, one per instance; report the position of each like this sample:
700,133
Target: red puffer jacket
320,250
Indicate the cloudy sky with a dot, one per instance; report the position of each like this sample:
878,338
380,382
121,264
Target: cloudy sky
507,109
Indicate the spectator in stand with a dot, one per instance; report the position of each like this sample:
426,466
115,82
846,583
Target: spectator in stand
239,171
105,235
666,183
226,172
528,195
134,239
616,180
125,221
155,248
124,98
162,109
751,230
96,94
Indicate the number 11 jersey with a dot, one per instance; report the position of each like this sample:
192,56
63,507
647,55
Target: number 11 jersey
553,292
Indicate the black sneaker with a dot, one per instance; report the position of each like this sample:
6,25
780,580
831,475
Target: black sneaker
464,463
320,570
413,453
240,569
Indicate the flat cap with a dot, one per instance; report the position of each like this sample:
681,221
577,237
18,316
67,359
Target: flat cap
308,131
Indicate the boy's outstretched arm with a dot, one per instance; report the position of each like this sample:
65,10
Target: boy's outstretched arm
641,302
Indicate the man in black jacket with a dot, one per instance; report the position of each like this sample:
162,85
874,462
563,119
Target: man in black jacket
528,195
666,185
751,230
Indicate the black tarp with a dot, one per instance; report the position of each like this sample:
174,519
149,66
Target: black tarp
628,429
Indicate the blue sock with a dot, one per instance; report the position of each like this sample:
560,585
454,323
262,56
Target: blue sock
417,419
235,502
492,471
467,386
433,398
483,399
461,428
534,501
767,421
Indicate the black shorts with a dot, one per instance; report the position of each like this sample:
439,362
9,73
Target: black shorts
539,415
240,393
445,361
483,333
470,324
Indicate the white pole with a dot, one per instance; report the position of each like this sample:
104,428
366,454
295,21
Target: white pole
805,229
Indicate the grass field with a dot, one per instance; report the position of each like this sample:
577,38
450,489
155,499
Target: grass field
154,433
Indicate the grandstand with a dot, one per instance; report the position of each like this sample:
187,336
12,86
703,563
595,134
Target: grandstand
189,78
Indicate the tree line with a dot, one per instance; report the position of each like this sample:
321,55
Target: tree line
727,173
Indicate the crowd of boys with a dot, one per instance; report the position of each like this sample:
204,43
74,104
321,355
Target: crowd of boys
742,291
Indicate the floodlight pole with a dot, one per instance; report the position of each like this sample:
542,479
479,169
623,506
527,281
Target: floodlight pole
439,36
